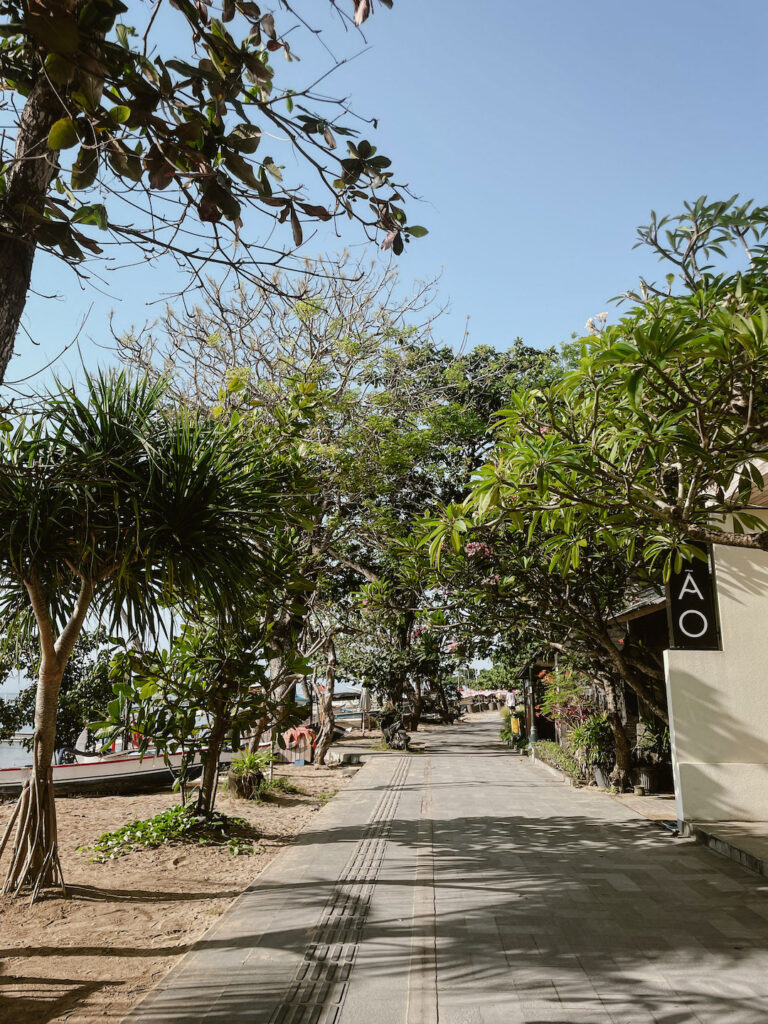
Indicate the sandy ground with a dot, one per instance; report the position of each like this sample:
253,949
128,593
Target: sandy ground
89,958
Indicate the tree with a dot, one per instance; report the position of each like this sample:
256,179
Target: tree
656,441
342,365
500,676
112,506
165,137
208,684
393,421
507,594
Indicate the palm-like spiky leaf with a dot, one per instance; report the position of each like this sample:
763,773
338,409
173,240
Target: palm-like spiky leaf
153,505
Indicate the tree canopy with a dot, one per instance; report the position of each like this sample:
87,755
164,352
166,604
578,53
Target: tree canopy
154,126
656,439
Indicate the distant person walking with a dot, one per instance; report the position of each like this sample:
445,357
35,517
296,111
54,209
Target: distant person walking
365,708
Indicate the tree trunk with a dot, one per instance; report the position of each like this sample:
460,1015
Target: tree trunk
29,180
418,706
280,682
206,795
398,679
622,770
446,714
327,722
35,854
642,684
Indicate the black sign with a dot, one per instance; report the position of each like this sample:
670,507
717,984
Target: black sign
692,606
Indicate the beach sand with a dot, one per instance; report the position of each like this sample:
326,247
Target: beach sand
92,956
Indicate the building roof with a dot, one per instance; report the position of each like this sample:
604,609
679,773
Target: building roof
641,601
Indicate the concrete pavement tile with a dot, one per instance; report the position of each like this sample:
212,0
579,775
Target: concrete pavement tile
547,905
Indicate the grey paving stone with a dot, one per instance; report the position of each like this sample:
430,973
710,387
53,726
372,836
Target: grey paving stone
468,884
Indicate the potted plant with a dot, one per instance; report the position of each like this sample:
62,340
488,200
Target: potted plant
592,744
653,755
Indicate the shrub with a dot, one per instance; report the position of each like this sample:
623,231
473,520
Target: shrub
506,734
554,755
653,745
566,696
592,742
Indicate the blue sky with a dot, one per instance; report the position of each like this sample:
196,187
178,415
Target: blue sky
538,134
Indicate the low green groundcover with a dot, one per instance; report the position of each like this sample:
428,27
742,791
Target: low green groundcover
176,826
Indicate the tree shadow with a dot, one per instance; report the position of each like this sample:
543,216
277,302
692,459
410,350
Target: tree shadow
579,917
100,951
33,1008
574,911
100,894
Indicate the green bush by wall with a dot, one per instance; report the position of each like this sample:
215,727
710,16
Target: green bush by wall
554,755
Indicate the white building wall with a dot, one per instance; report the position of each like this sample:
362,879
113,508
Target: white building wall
718,701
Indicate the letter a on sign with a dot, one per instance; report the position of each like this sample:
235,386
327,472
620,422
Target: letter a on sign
692,606
689,586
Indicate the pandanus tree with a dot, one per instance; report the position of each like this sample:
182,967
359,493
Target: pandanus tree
114,506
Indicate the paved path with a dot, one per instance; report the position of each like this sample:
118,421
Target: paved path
468,886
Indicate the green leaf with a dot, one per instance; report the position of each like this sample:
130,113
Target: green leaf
63,134
120,114
123,33
417,231
59,69
272,168
635,385
95,214
85,168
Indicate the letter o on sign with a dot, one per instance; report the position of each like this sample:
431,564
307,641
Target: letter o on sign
694,631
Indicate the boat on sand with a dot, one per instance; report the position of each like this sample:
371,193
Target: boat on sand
119,771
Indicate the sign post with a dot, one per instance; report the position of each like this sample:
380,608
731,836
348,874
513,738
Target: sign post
692,606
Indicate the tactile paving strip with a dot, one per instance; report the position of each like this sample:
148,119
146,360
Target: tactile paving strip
316,994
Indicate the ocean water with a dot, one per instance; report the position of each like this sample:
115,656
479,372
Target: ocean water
13,754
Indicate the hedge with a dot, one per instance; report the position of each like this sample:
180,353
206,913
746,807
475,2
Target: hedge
553,754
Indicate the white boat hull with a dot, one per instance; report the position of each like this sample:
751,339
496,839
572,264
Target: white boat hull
115,772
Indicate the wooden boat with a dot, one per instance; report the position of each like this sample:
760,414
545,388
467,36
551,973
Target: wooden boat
123,771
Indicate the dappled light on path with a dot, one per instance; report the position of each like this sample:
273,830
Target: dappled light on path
500,895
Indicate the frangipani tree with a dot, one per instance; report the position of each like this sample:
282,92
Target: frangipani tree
657,439
112,505
210,681
505,583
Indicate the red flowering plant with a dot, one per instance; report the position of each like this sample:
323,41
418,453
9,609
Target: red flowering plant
567,696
